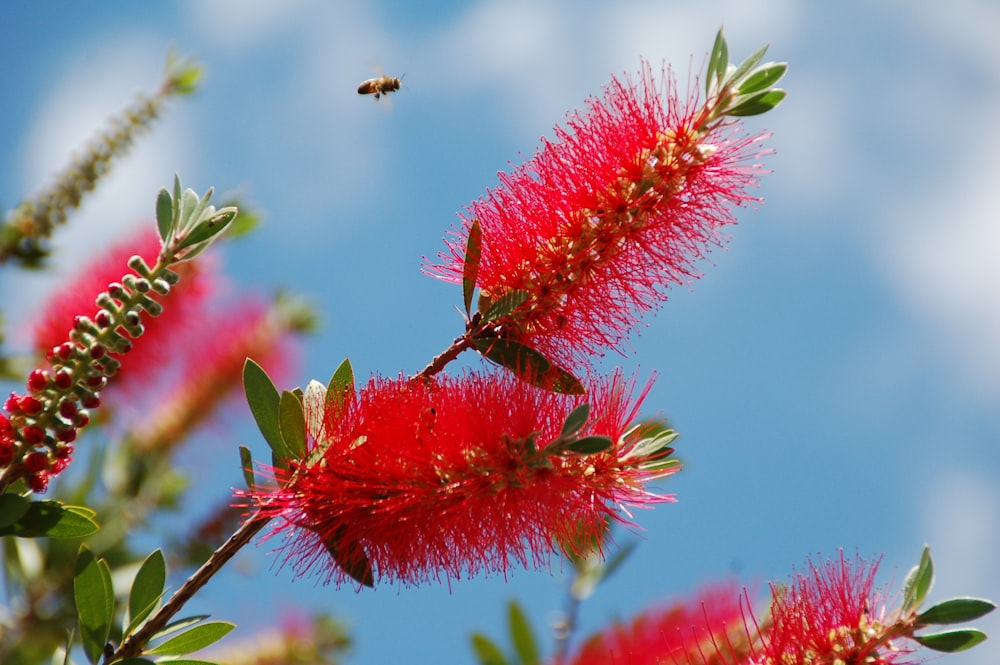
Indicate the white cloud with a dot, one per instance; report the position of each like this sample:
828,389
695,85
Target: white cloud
237,25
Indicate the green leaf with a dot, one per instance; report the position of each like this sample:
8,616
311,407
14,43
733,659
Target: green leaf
487,653
718,62
748,64
956,610
263,399
147,589
177,201
617,559
198,637
757,103
179,625
292,421
470,268
53,520
340,389
952,641
246,463
352,558
521,635
576,420
764,77
529,365
142,661
164,214
506,304
207,229
589,445
918,582
94,602
12,508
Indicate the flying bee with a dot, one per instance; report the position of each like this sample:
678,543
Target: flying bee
380,86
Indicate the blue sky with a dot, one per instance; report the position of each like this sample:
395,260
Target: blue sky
835,374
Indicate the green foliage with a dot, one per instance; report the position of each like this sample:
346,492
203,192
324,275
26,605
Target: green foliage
470,268
198,637
521,635
352,559
590,445
189,225
263,400
918,582
522,639
529,365
956,610
292,423
49,519
743,90
576,420
952,641
146,591
487,652
246,465
94,603
182,75
504,305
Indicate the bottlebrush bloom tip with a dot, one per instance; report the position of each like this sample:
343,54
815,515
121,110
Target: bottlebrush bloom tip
625,201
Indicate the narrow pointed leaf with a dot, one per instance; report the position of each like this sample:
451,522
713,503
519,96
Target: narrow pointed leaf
521,635
506,304
52,519
340,389
590,445
576,420
263,399
956,610
352,558
292,421
757,103
918,581
94,599
529,365
749,63
246,464
763,78
952,641
179,625
147,589
198,637
209,228
470,268
718,61
177,201
164,214
487,653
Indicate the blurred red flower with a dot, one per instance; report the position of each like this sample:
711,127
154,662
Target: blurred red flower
707,628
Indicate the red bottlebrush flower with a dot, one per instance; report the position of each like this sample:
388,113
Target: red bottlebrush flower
431,479
707,628
595,227
832,614
211,370
77,298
